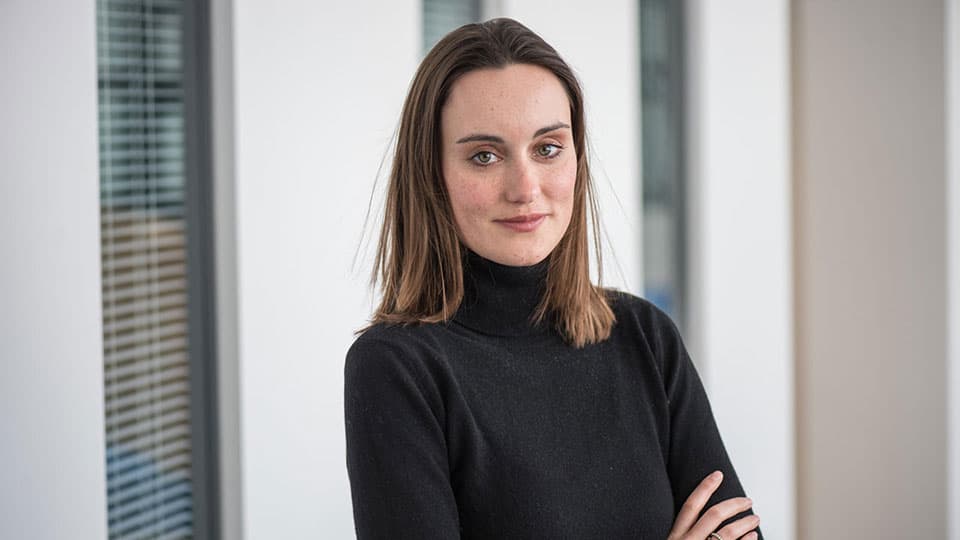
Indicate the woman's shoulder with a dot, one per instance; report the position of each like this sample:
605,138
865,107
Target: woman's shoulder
390,337
386,346
641,321
390,367
639,310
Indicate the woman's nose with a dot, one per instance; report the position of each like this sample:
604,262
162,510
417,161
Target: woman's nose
523,184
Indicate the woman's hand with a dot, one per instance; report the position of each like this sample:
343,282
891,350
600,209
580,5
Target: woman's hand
688,527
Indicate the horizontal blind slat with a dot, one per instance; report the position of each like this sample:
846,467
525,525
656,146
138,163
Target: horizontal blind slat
148,441
143,460
160,257
134,308
150,468
153,378
155,153
148,524
174,335
148,292
137,491
177,533
126,324
150,425
126,110
150,123
143,243
143,225
135,275
149,499
116,371
143,410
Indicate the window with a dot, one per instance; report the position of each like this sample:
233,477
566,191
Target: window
664,217
442,16
158,355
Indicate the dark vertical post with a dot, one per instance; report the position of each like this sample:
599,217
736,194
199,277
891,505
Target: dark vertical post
201,269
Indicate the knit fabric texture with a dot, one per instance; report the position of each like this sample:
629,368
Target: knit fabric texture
489,426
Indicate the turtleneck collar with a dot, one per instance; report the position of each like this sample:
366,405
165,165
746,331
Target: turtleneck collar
500,300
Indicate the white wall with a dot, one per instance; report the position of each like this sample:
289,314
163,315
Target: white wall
871,221
318,88
52,451
740,245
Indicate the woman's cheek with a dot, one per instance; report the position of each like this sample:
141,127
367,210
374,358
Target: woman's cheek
476,199
563,184
468,200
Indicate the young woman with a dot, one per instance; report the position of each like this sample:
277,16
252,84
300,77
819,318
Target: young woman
498,393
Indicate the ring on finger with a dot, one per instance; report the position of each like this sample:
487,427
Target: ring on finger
715,536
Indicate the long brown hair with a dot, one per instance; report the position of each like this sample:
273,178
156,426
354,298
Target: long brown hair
419,261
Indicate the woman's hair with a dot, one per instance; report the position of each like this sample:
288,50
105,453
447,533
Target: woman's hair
419,261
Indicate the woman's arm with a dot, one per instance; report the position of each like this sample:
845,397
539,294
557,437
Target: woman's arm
396,448
693,523
695,448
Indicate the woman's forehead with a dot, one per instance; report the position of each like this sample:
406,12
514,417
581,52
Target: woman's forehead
517,100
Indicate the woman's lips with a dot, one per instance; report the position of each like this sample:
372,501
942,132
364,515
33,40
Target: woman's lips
525,223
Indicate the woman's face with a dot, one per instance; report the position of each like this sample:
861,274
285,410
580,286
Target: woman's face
509,163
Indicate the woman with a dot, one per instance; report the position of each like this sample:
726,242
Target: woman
498,393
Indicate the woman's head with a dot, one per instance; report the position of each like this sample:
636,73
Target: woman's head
491,155
509,162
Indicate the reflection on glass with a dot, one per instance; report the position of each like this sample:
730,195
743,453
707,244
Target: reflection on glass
442,16
664,265
144,269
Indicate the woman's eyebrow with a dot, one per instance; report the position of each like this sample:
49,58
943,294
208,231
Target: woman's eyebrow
481,137
495,139
551,127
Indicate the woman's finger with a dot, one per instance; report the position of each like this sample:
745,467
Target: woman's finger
717,514
751,536
740,528
695,503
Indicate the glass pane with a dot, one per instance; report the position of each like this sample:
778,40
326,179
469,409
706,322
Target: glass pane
144,269
664,261
442,16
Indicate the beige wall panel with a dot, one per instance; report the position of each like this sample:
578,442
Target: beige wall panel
870,224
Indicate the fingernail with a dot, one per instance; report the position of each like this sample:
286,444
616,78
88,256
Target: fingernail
716,475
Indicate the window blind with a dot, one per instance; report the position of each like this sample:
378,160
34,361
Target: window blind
144,269
442,16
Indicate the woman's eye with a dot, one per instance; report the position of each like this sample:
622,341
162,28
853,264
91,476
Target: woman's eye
484,158
548,150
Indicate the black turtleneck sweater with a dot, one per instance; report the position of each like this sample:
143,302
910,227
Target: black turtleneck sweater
489,427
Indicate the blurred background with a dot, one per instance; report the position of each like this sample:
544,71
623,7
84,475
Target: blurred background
184,188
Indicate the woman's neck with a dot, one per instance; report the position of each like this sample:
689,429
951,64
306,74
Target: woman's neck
501,300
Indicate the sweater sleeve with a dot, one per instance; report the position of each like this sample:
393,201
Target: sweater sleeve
396,448
695,446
